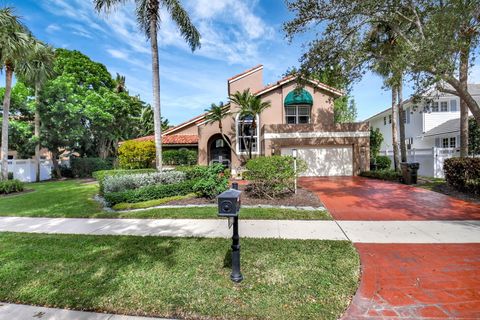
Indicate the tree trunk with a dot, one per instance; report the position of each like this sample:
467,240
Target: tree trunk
465,96
463,77
6,112
37,133
252,133
396,155
56,167
224,136
402,116
156,93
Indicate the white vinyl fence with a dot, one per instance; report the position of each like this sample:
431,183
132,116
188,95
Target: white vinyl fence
25,169
430,159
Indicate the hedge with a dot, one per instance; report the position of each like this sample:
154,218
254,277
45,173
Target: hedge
134,181
390,175
179,157
150,192
210,181
84,167
463,174
11,186
136,154
100,175
383,162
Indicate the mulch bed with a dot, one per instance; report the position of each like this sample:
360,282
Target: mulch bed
448,190
301,199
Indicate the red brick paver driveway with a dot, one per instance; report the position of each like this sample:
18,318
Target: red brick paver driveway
406,281
357,198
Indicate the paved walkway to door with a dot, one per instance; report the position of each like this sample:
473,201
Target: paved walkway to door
357,198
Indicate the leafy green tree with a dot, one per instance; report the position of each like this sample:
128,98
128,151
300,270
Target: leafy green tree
20,138
147,127
148,18
433,35
14,45
376,139
345,110
250,106
35,71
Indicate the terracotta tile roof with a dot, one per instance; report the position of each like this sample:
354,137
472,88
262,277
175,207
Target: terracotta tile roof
173,139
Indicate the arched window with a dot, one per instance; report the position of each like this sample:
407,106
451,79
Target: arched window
298,107
244,135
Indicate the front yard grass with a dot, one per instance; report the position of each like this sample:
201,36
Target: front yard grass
74,199
179,277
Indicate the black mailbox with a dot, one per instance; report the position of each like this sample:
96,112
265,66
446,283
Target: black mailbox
229,203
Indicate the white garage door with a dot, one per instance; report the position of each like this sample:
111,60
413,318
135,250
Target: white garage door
325,161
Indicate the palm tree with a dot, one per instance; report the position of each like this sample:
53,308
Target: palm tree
251,106
120,84
35,72
148,19
217,113
14,46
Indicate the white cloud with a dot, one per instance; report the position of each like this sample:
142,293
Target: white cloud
80,31
119,54
52,28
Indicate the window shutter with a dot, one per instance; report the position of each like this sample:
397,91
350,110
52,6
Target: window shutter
408,115
437,142
453,105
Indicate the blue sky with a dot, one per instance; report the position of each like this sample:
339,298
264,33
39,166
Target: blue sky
236,35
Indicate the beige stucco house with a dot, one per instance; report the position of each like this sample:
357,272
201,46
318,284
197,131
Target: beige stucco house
301,120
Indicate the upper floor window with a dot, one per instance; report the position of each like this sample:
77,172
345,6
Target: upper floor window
297,114
246,135
298,106
444,106
384,121
389,118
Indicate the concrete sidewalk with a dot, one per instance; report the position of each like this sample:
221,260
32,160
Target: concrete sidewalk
9,311
356,231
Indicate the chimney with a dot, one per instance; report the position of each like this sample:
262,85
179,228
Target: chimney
251,79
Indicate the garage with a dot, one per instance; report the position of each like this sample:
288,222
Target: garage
325,160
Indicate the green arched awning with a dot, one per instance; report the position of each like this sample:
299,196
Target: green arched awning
298,97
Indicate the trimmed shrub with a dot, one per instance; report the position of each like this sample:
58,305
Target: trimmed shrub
136,154
10,176
150,193
390,175
11,186
133,181
463,174
383,162
273,176
210,181
84,167
100,175
179,157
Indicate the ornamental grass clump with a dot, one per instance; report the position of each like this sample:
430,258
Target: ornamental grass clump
134,181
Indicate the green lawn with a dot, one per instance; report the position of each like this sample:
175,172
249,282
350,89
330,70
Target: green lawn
74,199
70,198
179,277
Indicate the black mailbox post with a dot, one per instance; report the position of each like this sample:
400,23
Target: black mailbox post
229,206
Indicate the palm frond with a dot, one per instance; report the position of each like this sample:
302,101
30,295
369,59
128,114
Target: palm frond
185,25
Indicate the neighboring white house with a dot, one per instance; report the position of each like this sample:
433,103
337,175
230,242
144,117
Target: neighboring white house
431,123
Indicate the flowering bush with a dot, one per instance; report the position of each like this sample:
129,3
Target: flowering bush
135,181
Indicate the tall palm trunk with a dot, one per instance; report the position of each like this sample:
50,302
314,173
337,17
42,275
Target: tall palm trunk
463,77
156,93
37,133
402,116
396,156
252,133
6,112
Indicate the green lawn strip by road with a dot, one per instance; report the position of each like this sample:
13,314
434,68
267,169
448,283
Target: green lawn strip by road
70,198
211,213
74,199
179,277
149,203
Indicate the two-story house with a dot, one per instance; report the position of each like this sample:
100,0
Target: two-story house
433,121
297,119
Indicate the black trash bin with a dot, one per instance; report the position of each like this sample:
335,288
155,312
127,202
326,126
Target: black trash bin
410,172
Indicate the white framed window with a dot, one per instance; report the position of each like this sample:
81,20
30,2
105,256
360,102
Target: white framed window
384,121
244,135
453,143
435,106
297,114
453,106
389,118
444,106
445,142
